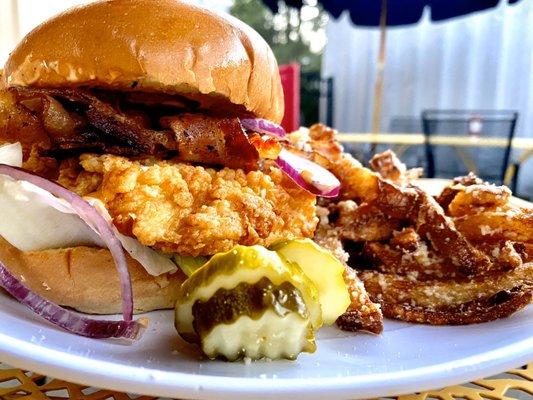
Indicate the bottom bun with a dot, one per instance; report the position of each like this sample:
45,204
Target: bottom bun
86,279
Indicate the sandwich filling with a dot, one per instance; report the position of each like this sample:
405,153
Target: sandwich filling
178,179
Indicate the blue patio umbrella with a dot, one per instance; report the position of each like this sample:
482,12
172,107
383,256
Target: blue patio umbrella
399,12
385,13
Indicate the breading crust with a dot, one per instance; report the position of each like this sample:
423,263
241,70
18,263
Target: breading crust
193,210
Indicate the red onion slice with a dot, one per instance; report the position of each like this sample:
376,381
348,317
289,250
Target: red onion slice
309,175
68,320
264,126
93,218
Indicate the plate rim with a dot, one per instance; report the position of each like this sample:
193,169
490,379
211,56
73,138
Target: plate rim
144,381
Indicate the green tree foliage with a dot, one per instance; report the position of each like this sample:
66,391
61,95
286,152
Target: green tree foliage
294,36
290,32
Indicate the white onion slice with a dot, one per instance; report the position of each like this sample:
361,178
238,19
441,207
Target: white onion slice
11,154
25,207
309,175
153,262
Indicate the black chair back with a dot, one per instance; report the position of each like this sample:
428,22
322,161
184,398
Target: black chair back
460,141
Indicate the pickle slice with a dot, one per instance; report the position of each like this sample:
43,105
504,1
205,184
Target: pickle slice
227,305
254,320
269,336
324,270
189,264
247,265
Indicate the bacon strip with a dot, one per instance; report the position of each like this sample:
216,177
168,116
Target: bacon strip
212,141
105,128
87,123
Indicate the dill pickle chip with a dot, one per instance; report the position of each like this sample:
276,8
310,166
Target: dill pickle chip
323,269
249,302
254,320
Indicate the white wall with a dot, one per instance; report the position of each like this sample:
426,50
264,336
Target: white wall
478,61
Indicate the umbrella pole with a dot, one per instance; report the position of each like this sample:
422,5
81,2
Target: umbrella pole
378,87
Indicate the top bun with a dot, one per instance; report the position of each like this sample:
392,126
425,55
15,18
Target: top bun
164,46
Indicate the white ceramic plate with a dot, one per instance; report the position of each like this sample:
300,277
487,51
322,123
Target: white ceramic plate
405,358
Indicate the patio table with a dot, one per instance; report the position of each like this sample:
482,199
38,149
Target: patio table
403,140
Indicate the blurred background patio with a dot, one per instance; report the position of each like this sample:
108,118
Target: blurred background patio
479,65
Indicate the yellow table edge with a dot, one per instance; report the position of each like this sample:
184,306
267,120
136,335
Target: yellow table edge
418,139
25,385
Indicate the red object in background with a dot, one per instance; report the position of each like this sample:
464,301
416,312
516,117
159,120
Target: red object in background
290,80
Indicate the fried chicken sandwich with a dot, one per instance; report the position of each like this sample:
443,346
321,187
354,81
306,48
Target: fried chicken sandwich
149,126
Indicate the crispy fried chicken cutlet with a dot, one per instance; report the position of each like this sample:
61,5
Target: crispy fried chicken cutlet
193,210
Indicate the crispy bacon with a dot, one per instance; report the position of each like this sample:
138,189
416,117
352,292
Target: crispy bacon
77,121
105,129
212,140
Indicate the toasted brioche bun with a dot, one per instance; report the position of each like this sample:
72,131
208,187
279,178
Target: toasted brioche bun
164,46
85,278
